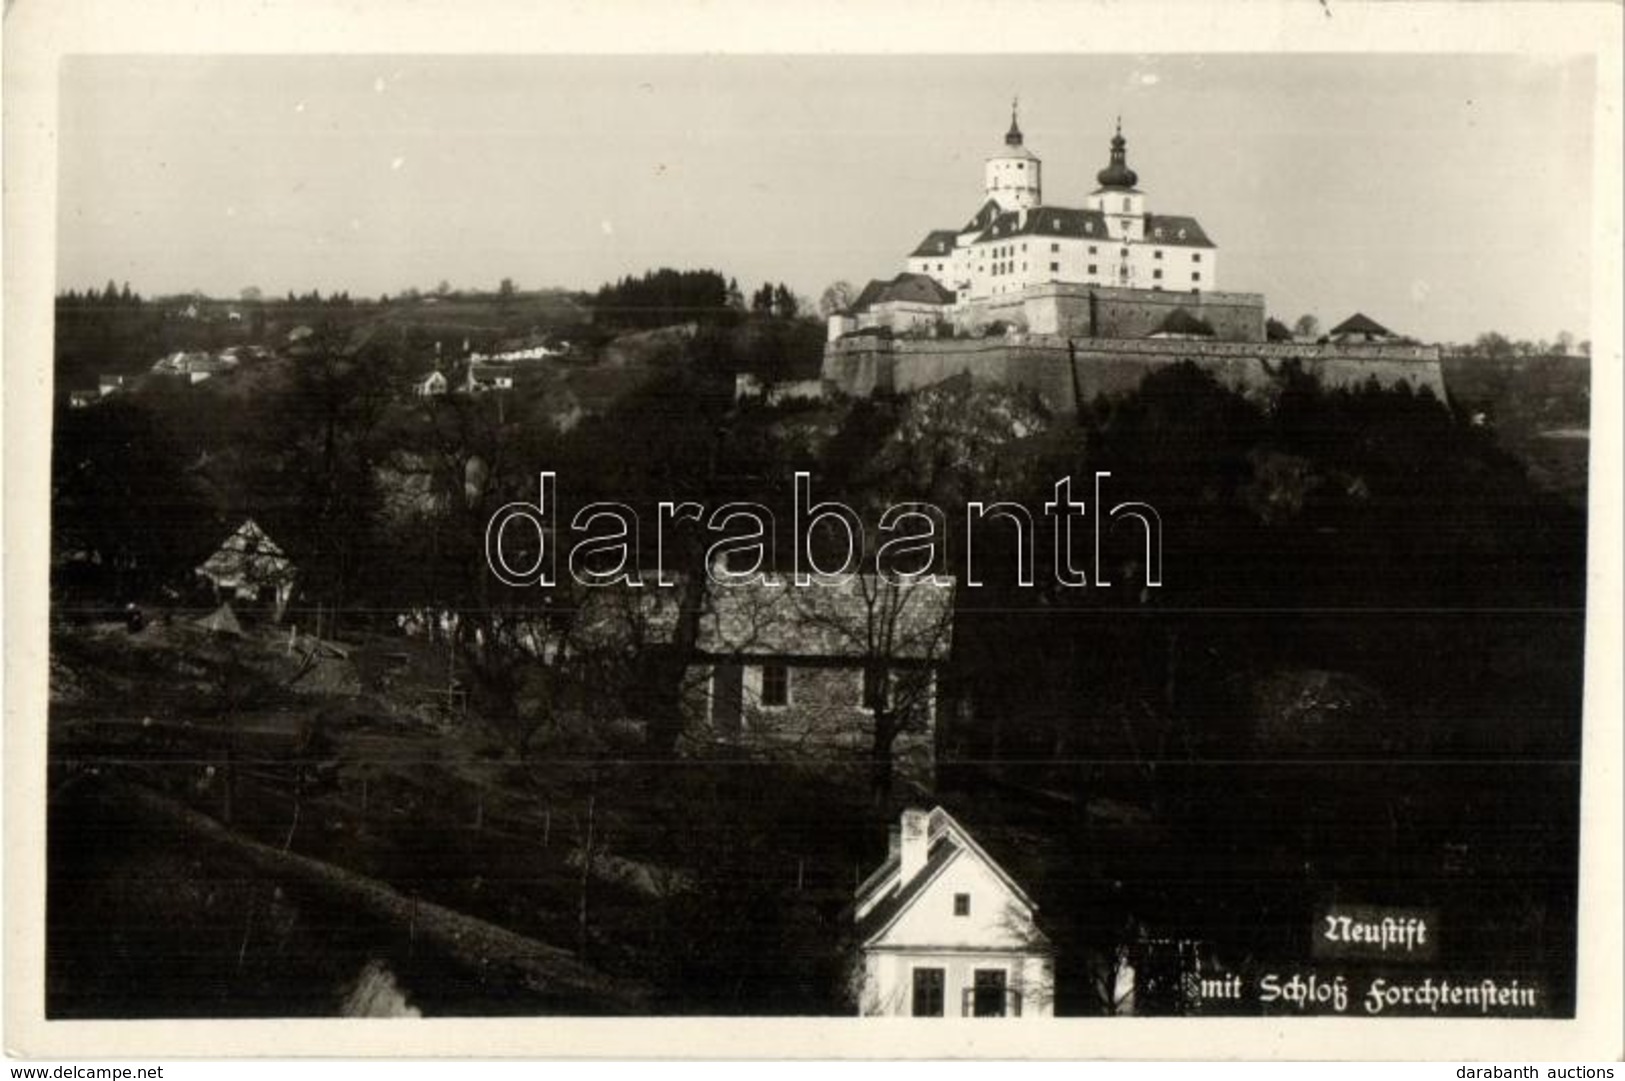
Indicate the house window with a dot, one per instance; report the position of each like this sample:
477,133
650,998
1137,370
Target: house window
961,904
1094,268
1128,204
775,685
1196,275
928,992
1196,257
1054,247
1124,253
987,993
1092,250
876,689
1157,254
1157,273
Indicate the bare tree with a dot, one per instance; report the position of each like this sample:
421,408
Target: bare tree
837,296
899,634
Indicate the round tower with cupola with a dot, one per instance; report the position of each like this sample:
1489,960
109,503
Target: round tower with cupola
1013,173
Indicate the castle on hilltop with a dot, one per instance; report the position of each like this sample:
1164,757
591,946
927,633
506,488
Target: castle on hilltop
1075,301
1014,240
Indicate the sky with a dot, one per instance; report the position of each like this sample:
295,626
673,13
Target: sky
1442,195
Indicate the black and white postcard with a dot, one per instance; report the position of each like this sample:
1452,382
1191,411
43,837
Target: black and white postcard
725,541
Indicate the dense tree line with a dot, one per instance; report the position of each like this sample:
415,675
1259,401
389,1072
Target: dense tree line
666,297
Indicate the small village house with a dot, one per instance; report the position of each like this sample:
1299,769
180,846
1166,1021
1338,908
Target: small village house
249,566
810,670
944,931
484,377
430,386
797,673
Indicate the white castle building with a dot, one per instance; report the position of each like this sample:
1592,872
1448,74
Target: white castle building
1016,240
1077,301
1050,269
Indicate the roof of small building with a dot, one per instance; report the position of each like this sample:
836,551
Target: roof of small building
947,839
826,619
248,554
1360,323
908,288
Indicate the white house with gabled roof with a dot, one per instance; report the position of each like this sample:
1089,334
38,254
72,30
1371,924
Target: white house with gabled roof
944,931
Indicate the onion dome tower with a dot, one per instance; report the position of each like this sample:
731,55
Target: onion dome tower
1117,197
1118,175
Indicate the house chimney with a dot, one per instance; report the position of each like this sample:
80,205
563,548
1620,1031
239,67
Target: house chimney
916,844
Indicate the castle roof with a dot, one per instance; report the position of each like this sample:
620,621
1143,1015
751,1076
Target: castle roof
1360,323
983,216
1169,230
1014,151
1013,147
936,242
1176,230
909,288
1046,221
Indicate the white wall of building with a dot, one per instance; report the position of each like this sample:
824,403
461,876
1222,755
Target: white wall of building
997,933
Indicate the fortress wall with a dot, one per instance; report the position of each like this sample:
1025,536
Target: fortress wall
1134,313
1087,311
1110,367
